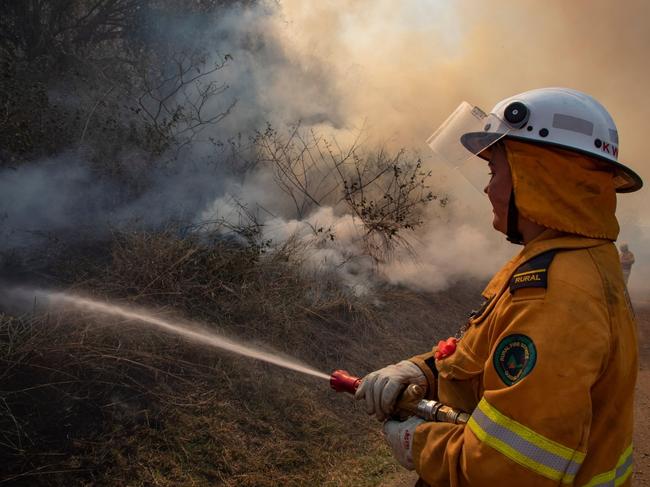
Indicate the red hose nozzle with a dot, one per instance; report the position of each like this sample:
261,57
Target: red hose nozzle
342,381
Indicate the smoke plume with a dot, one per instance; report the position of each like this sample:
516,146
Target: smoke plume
392,72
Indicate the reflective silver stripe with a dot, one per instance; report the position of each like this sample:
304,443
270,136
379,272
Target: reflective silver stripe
526,448
620,471
615,476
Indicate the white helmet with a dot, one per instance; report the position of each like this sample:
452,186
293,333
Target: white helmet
558,117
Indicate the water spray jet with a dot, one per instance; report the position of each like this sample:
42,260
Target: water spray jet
191,331
410,403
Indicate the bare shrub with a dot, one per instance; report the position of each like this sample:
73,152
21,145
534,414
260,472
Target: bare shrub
386,192
176,99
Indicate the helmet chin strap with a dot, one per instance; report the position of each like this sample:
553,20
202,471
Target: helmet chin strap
513,235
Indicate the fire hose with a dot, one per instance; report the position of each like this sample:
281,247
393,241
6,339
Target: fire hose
410,403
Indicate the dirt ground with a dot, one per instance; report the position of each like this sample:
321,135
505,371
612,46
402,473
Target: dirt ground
642,413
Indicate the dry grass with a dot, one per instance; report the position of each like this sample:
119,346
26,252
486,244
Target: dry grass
88,401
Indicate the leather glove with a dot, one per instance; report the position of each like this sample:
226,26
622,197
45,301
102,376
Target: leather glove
380,389
399,436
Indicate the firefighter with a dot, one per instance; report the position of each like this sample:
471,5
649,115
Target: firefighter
627,259
547,365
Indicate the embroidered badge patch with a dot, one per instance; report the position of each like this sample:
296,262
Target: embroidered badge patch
514,358
534,278
533,273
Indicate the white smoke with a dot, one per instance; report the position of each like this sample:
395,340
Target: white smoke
636,234
395,69
402,69
450,246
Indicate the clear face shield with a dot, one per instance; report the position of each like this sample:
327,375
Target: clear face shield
467,132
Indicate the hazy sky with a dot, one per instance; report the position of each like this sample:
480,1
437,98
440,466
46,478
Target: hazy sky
405,66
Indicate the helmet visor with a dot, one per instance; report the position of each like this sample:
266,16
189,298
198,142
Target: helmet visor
466,133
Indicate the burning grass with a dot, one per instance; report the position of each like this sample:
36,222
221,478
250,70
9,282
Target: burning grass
90,401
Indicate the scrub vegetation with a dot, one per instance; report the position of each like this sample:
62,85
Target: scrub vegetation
87,401
113,139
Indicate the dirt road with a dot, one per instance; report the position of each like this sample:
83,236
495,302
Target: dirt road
642,413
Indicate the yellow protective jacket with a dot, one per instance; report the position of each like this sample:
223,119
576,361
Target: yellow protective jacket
547,368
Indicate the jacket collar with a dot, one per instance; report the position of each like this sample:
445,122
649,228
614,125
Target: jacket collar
548,240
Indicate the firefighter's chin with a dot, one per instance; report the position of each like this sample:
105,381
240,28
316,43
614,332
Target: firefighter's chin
499,223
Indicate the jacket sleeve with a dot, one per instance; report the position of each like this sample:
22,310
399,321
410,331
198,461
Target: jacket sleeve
427,365
532,423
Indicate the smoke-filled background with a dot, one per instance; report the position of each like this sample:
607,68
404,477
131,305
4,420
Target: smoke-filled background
358,73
